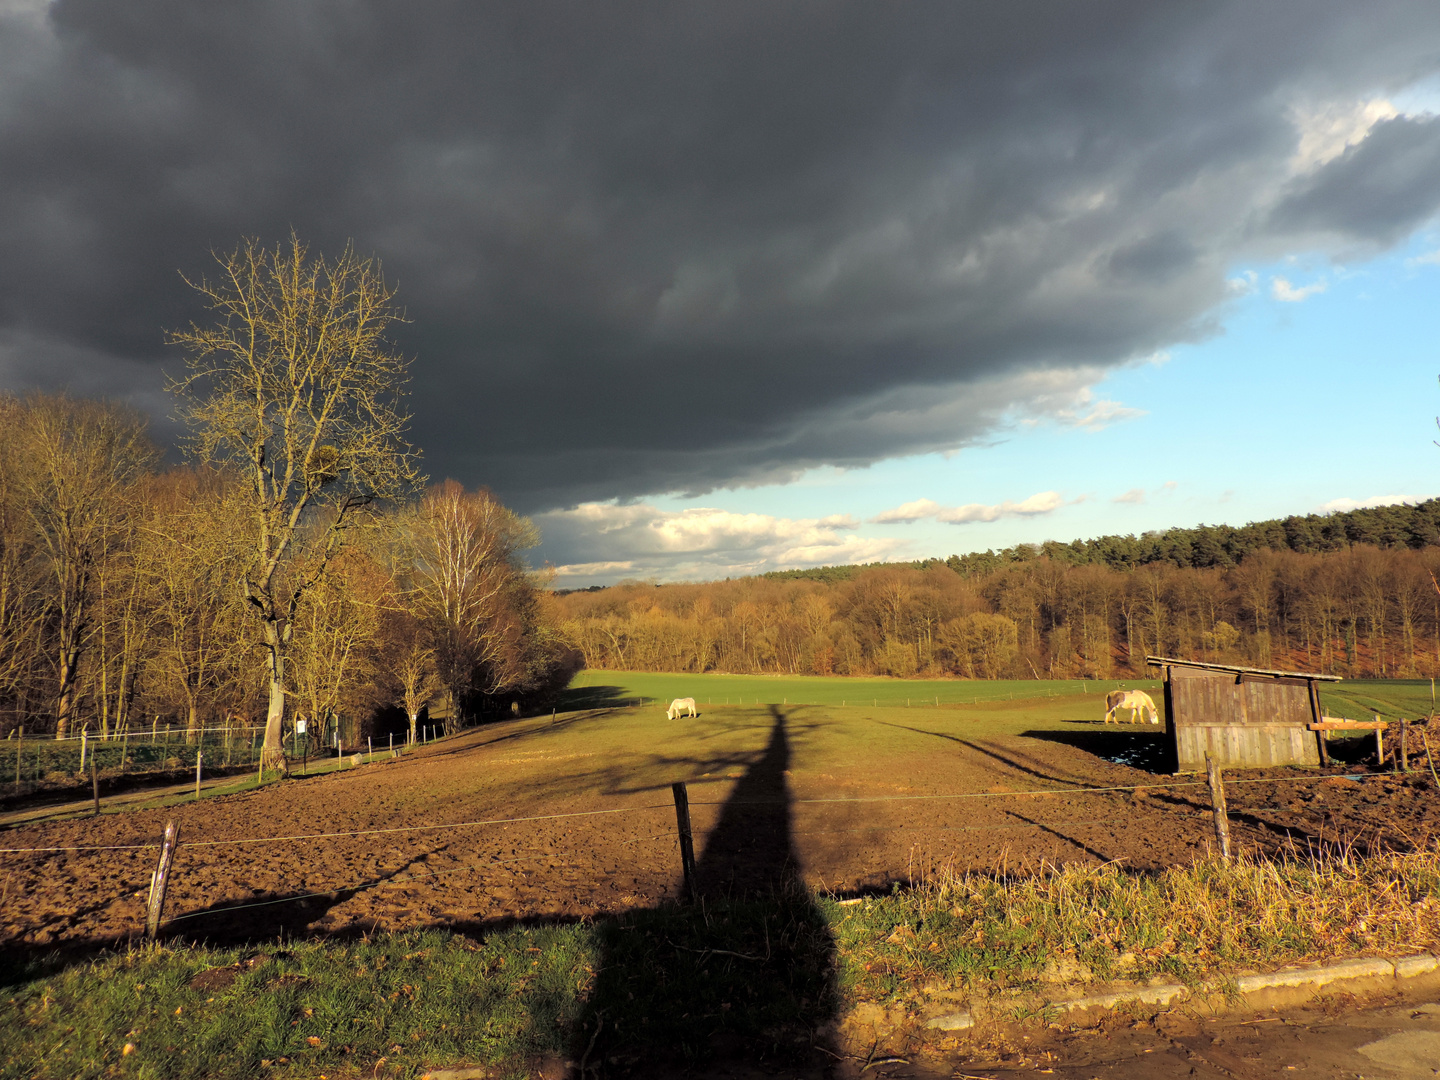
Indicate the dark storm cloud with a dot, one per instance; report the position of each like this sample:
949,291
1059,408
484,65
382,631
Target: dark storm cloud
652,247
1377,191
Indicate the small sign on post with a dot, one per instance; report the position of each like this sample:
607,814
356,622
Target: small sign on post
687,842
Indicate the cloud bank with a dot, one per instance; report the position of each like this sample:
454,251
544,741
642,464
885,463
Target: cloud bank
673,247
698,543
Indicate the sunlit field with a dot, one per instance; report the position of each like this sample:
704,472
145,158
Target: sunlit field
1352,699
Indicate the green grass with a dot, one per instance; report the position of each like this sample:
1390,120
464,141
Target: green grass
1358,699
716,689
755,976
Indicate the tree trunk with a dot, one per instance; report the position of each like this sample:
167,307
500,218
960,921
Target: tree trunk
69,662
272,751
414,719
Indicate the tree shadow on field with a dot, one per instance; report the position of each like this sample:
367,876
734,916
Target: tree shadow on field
1145,748
744,971
575,698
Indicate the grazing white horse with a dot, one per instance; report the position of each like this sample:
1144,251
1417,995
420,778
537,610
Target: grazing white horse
681,705
1137,701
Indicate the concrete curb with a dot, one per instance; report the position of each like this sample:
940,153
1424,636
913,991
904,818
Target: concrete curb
1287,986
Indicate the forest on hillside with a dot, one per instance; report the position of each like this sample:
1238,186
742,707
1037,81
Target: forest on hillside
1357,609
1400,525
123,598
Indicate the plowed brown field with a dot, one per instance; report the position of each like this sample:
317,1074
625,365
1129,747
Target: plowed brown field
853,799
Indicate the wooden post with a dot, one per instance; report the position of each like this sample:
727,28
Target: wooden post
124,750
81,770
1319,716
19,750
199,757
160,879
1217,804
1429,757
95,784
1404,745
1379,743
369,749
260,772
687,842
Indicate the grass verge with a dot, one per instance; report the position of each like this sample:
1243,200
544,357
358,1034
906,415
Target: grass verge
758,976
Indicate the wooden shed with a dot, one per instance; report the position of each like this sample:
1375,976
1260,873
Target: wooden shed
1242,717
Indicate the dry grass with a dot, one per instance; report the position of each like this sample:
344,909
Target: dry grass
1074,923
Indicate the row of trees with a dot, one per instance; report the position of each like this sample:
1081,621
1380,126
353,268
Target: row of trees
289,569
1362,611
122,592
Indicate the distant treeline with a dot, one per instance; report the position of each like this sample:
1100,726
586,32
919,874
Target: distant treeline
1413,527
1351,594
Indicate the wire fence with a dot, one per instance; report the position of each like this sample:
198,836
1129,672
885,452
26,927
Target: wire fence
27,762
293,838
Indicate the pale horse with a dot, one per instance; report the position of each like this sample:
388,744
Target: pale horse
681,705
1137,701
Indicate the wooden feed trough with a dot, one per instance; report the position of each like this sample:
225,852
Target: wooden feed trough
1247,718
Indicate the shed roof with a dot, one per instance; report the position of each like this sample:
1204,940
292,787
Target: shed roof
1235,669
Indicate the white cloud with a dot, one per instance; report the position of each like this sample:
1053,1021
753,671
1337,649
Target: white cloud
1134,495
1101,415
908,512
1340,505
1431,258
698,543
1326,131
1282,290
1244,284
1043,502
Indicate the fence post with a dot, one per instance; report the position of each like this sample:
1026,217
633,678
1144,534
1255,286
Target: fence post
83,740
19,751
1429,757
1217,804
95,784
1404,745
160,879
199,757
1379,743
124,749
687,842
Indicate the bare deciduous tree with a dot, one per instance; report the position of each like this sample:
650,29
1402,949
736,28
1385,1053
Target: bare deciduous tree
296,387
464,563
77,463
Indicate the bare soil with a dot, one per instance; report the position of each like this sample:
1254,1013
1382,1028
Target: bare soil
846,803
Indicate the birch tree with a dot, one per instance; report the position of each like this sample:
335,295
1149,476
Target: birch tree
295,386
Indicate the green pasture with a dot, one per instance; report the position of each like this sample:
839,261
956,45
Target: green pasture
1352,699
619,717
592,687
1359,699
